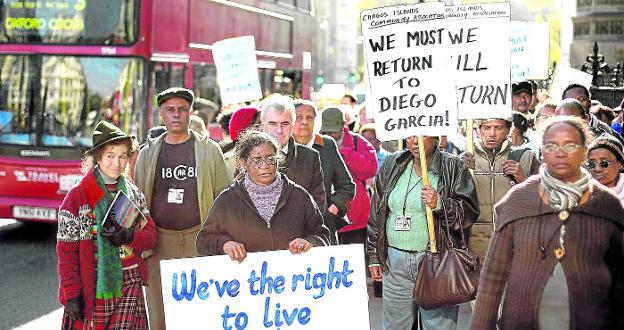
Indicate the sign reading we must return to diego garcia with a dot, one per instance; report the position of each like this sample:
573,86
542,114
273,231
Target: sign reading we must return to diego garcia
268,290
429,64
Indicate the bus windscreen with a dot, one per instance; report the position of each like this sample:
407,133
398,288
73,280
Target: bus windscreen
56,101
84,22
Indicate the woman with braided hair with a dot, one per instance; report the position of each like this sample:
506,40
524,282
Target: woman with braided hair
557,250
101,272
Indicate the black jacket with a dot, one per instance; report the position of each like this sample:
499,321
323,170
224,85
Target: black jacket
303,166
339,186
456,189
234,217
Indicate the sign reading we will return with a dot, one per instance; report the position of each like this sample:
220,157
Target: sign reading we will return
268,290
429,64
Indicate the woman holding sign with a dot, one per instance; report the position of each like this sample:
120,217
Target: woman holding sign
264,210
556,258
101,271
398,233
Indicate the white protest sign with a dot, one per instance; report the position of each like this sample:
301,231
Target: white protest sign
529,50
409,71
479,38
564,76
237,69
324,288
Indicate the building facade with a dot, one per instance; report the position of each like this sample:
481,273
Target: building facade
600,21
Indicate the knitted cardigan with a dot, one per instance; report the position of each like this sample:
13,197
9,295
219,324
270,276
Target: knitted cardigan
75,246
593,263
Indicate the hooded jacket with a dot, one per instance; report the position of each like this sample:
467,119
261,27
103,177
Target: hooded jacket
455,187
362,164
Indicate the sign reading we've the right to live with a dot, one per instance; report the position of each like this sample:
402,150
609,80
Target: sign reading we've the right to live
324,288
429,64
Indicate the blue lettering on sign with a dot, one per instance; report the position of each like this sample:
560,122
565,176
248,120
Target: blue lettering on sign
240,320
321,281
267,283
183,293
188,291
282,315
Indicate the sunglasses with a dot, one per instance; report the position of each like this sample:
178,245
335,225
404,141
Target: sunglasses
591,164
568,148
259,162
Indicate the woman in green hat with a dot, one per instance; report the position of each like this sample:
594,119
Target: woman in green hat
100,268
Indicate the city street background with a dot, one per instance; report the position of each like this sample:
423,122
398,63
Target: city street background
30,284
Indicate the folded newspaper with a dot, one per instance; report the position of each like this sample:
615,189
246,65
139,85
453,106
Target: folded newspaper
123,211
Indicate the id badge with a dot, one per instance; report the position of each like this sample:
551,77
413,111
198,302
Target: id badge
403,223
175,196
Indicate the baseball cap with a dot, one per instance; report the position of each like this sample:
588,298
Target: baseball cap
332,120
523,86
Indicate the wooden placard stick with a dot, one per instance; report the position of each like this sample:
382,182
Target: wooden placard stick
470,136
425,181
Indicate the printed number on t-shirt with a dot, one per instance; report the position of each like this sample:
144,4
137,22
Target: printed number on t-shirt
180,172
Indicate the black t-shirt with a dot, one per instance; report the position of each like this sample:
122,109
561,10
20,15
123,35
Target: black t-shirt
174,201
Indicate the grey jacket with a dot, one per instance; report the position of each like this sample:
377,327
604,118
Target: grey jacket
339,186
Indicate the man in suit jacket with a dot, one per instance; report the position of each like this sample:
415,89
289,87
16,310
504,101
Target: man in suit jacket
339,186
301,164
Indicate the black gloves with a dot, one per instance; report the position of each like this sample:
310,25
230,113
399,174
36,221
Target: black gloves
119,237
73,309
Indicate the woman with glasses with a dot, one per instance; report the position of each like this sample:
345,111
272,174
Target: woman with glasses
262,211
556,257
397,231
606,163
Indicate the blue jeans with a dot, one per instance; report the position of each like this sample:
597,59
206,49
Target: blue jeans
399,310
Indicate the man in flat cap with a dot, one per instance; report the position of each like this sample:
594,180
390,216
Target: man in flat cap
181,173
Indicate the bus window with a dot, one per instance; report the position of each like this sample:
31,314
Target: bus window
205,82
65,96
287,82
166,75
272,81
111,22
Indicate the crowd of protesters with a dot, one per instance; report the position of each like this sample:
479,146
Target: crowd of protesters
538,194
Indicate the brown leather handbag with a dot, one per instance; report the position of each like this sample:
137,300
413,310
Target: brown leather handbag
448,277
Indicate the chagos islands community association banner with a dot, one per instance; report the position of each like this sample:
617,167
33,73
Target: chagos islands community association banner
429,64
324,288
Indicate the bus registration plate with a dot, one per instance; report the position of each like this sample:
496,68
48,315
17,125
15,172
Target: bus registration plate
29,212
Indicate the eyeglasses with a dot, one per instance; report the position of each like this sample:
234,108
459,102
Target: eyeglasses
591,164
259,162
568,148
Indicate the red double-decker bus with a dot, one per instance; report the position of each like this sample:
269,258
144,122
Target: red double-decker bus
66,64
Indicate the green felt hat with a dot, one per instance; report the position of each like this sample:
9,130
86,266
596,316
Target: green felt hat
106,132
